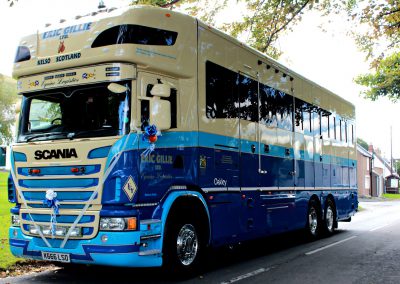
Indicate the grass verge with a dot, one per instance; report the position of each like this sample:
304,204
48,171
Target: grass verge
391,196
6,258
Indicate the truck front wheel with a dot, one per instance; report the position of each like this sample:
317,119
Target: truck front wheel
183,246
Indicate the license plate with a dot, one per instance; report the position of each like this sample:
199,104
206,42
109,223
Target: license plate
55,256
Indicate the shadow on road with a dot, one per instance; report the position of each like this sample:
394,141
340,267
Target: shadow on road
217,259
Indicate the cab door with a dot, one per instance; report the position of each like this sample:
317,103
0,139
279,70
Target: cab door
159,168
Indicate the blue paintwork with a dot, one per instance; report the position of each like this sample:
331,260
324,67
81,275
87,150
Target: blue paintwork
19,157
121,249
161,212
12,195
237,210
99,153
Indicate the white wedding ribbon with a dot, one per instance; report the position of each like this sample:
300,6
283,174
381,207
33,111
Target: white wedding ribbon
115,159
22,197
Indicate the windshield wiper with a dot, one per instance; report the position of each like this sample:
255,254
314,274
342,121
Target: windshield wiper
83,133
46,135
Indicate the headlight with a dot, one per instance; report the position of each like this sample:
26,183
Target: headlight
117,224
15,221
60,231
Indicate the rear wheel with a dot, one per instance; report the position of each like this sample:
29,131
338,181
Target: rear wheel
313,226
329,217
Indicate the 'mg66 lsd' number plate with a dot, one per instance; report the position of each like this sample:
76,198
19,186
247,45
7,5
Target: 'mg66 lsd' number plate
55,256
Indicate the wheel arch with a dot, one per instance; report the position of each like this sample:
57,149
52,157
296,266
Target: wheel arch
186,200
315,198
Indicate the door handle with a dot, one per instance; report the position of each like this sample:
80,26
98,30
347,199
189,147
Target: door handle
253,148
250,202
262,171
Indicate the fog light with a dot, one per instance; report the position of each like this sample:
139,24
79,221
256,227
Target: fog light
15,221
61,231
33,230
76,232
46,230
15,233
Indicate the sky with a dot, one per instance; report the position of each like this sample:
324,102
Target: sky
330,58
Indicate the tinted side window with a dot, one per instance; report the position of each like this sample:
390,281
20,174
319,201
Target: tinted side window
339,129
325,124
298,116
135,34
316,117
334,128
248,89
276,108
303,117
343,131
221,92
285,109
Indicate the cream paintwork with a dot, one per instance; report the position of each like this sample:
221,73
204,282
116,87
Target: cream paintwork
225,51
177,60
94,74
83,147
182,65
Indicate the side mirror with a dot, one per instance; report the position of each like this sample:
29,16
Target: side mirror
161,90
3,152
160,113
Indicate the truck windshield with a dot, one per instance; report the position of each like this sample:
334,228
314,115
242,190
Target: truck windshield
69,113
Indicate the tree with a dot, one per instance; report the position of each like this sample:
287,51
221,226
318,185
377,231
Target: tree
8,97
381,44
267,20
385,82
362,143
159,3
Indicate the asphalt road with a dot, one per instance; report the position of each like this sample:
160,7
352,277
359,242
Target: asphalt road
367,250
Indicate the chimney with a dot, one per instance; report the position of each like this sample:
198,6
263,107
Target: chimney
371,148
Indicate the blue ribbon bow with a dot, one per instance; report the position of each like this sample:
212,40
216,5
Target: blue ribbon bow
52,202
149,131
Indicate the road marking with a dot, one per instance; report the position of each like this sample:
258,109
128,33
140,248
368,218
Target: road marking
247,275
331,245
377,228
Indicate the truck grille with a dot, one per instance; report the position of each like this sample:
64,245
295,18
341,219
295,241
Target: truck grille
73,192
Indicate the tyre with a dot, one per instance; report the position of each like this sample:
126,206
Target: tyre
313,227
184,246
329,217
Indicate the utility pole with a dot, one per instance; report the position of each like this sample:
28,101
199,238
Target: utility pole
391,150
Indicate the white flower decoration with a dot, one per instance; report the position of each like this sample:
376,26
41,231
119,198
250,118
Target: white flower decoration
50,194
